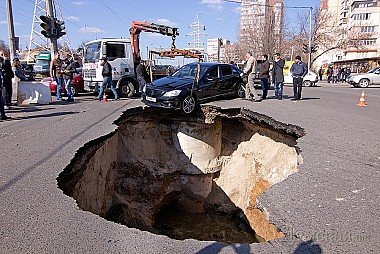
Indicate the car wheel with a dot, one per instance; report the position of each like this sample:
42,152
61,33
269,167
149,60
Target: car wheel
126,89
74,90
363,83
188,104
240,91
307,83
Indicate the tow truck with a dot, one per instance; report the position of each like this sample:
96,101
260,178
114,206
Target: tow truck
122,55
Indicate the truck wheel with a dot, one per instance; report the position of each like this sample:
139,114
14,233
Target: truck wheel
363,83
307,83
188,104
126,89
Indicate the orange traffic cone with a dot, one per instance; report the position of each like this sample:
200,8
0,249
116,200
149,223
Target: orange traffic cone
362,100
104,97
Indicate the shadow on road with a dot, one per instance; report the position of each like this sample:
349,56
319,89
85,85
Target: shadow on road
309,247
7,184
217,247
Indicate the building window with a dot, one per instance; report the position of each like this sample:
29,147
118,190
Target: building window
368,29
367,42
361,16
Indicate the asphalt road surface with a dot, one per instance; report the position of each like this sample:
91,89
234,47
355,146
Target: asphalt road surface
331,205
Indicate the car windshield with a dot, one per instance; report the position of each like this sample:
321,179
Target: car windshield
374,70
188,71
92,52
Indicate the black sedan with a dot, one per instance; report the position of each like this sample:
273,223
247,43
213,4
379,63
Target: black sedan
192,84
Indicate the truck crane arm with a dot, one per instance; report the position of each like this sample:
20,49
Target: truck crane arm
138,27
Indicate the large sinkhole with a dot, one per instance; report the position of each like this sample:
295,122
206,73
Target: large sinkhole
186,176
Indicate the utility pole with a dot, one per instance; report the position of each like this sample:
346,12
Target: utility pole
309,62
11,30
53,39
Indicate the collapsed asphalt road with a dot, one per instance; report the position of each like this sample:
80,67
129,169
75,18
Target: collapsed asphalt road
329,205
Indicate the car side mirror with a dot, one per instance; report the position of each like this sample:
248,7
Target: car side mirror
377,72
209,79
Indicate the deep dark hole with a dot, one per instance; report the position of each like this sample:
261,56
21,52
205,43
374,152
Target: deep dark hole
181,225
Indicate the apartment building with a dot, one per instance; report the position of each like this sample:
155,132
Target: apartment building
261,25
358,33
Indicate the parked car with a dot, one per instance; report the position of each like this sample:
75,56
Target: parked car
365,79
159,71
77,85
310,79
183,90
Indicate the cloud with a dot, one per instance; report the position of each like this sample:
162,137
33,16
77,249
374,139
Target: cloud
72,18
166,22
91,30
216,5
79,3
4,22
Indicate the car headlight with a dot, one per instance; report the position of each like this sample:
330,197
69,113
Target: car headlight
172,93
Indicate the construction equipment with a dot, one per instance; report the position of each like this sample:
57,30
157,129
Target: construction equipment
118,52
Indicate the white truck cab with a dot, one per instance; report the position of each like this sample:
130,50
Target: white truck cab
120,56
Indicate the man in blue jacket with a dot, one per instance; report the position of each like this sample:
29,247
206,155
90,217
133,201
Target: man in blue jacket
298,71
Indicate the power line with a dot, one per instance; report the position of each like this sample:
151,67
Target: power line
109,8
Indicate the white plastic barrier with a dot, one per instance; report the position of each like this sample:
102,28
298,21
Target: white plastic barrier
33,92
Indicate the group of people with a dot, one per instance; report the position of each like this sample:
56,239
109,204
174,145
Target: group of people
63,71
336,74
298,71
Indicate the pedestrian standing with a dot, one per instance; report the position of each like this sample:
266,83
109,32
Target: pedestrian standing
249,69
329,74
264,76
107,79
3,116
278,75
68,70
141,75
320,73
298,71
56,74
7,79
335,74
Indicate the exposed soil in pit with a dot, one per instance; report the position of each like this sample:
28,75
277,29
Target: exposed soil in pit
186,177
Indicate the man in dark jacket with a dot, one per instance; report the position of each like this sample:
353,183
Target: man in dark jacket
278,75
298,71
264,76
141,74
2,100
7,79
107,79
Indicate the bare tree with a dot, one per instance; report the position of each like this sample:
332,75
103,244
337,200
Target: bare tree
327,35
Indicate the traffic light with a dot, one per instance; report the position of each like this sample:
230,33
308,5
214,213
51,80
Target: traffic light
305,48
314,48
47,25
60,26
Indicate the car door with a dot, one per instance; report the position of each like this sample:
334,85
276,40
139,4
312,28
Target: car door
209,83
227,80
376,77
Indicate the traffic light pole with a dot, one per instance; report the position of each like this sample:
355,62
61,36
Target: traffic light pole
53,39
309,62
